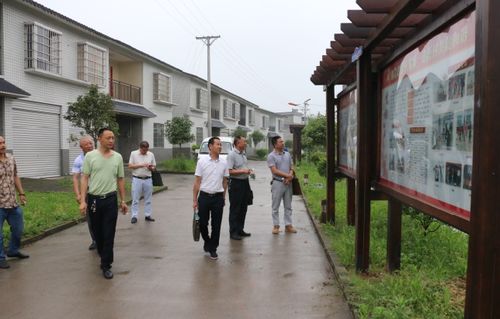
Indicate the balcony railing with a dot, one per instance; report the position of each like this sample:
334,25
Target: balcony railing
215,114
125,91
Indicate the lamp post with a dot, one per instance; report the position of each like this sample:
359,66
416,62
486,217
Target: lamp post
305,108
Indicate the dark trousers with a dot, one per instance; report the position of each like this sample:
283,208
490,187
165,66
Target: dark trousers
239,190
103,214
210,208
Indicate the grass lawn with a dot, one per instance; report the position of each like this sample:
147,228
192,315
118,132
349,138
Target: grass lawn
178,165
50,203
431,282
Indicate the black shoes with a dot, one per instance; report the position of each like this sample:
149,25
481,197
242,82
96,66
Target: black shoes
133,220
19,255
245,234
107,273
149,219
92,246
235,237
4,264
213,255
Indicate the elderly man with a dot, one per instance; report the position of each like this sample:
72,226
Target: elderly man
239,188
87,145
9,208
142,162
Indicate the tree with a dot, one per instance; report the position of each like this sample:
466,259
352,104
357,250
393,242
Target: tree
178,130
92,112
256,137
314,134
240,132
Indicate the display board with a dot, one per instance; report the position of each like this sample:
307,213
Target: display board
427,120
348,132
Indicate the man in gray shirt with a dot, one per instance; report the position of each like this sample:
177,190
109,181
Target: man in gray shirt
239,188
280,163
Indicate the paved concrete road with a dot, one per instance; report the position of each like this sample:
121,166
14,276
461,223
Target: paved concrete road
160,272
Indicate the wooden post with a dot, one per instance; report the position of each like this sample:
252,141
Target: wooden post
296,130
351,201
330,155
483,272
394,235
366,154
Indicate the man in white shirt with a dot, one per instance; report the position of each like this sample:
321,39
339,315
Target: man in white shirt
142,162
87,145
209,194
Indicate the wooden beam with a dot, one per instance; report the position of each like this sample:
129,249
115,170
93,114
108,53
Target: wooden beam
365,154
330,154
394,235
400,12
483,273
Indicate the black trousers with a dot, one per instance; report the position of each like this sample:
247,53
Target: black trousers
103,214
210,208
239,190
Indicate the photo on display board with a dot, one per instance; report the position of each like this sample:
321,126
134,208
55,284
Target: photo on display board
463,131
438,170
468,176
439,91
470,82
442,131
454,174
456,86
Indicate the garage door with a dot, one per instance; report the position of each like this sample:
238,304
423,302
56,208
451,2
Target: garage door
36,140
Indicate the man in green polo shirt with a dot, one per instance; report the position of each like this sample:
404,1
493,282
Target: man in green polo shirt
104,168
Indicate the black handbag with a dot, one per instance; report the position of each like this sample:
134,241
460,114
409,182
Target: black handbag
156,176
196,226
250,198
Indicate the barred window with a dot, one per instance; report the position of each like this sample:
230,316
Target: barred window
199,135
91,64
251,117
202,99
162,87
42,48
158,135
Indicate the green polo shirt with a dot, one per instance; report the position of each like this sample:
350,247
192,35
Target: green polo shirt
102,171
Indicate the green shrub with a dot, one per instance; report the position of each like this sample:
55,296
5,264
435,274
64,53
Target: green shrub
179,165
261,153
321,165
195,147
316,156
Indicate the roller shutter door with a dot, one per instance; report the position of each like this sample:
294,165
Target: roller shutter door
36,147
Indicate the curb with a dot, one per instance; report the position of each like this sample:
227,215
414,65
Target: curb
66,225
339,271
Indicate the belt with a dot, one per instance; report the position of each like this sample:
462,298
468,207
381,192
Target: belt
141,177
108,195
238,179
212,194
278,179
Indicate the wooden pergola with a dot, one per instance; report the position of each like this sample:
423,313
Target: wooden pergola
379,34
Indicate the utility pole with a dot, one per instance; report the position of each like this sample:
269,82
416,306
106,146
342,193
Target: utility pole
305,108
208,40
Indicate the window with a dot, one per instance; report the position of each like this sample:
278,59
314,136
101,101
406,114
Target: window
202,99
91,64
158,135
265,122
162,87
231,109
251,117
280,125
42,49
199,135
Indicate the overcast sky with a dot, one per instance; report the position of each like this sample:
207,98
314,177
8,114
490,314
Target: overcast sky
266,54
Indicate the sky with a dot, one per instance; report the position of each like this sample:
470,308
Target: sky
267,52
